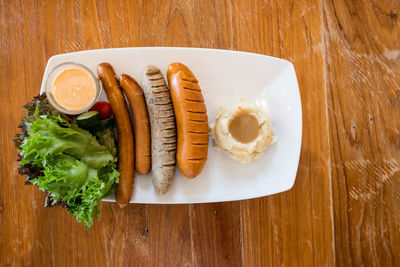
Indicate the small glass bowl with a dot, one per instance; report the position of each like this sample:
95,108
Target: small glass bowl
50,82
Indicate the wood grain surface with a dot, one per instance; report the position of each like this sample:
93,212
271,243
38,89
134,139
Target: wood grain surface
344,207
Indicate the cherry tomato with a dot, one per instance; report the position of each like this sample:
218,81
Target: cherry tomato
103,108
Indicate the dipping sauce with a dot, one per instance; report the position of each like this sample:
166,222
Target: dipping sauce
74,89
244,128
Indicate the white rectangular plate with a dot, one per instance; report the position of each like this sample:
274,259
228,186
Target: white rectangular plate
224,77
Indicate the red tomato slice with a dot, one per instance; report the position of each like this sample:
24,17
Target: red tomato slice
103,108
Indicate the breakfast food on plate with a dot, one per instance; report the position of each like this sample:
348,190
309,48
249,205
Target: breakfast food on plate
75,159
141,123
163,128
126,146
243,131
72,88
191,119
75,167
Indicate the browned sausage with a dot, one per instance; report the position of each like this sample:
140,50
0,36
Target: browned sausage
126,146
191,119
141,123
163,128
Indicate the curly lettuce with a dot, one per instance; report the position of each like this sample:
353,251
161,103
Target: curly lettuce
75,169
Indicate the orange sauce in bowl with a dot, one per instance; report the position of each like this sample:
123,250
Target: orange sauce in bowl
74,89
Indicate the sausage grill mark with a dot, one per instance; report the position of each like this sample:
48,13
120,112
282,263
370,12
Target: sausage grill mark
158,78
197,120
196,132
193,80
191,89
196,112
197,159
194,100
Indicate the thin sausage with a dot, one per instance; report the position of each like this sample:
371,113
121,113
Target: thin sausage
126,146
141,123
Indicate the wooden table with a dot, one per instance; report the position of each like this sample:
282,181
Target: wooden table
344,207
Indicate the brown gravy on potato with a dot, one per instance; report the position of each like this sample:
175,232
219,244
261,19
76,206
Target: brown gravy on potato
244,127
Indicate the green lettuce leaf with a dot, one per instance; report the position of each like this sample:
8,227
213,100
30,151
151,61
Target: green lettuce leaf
77,170
107,139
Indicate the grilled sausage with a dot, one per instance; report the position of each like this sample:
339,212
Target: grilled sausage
163,128
191,119
141,123
126,146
